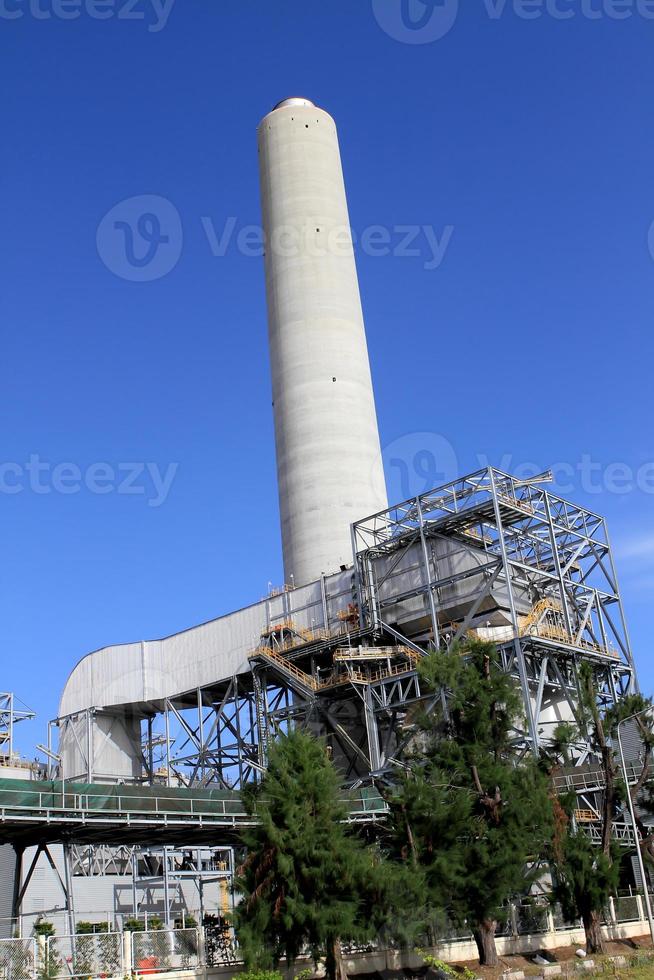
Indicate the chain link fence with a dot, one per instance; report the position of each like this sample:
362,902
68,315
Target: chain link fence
531,919
165,949
17,959
162,950
627,908
85,955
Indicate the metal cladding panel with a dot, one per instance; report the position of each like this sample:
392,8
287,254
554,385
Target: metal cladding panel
136,673
113,739
461,570
7,876
96,679
148,671
632,743
45,893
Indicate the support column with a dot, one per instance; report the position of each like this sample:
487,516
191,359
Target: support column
16,904
425,561
166,884
517,645
135,906
167,723
68,879
261,704
371,729
557,566
89,747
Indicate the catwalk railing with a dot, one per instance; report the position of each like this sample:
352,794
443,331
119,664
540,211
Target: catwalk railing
78,804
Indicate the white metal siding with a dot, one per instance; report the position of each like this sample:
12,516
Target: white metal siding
7,876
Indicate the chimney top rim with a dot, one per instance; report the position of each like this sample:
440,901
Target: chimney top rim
295,101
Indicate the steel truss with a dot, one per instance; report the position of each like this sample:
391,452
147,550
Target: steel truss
548,559
220,733
488,554
10,715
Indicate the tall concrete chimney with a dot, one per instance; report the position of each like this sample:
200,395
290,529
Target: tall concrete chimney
329,462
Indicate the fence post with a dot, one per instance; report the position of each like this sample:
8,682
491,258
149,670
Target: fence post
612,915
201,947
128,962
639,905
42,955
514,920
550,920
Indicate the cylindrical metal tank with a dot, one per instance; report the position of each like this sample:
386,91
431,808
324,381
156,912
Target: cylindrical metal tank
328,454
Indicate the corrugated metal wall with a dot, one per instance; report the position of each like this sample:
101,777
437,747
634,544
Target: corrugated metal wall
632,744
7,876
138,673
197,657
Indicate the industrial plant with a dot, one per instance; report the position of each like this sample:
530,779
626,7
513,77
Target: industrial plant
135,809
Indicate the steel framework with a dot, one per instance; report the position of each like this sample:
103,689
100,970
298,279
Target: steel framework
489,555
10,715
547,561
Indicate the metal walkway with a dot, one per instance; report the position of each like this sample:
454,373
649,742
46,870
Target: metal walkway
33,813
590,778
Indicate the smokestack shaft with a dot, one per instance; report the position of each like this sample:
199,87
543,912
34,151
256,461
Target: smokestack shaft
328,454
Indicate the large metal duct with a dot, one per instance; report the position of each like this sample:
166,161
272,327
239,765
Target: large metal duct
110,690
328,454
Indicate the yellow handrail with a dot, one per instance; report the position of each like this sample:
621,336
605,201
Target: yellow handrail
352,676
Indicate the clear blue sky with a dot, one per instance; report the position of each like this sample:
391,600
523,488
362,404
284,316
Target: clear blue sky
530,342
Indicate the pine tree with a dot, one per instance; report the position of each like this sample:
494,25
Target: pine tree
425,821
476,817
586,874
307,880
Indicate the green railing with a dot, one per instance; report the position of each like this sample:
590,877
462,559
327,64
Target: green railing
25,800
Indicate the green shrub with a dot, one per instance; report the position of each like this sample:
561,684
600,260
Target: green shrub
89,928
50,968
451,971
43,928
133,925
187,922
260,975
